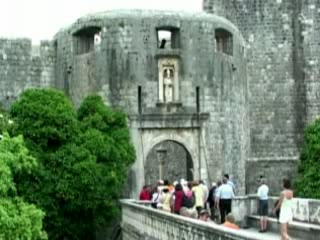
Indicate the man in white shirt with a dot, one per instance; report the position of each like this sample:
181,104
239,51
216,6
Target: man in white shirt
262,193
230,183
224,197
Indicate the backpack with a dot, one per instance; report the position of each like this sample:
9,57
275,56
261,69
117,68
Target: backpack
155,203
188,202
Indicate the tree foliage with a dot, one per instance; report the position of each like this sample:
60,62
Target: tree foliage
308,183
18,219
6,124
83,161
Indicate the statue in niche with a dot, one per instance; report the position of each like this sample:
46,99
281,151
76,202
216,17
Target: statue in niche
168,85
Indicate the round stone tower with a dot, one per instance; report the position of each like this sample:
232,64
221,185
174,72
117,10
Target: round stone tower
181,77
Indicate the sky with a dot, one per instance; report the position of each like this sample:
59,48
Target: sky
41,19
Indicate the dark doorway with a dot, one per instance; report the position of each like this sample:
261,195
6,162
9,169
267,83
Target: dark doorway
168,160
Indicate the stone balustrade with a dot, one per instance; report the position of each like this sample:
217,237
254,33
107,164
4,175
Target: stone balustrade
141,222
305,210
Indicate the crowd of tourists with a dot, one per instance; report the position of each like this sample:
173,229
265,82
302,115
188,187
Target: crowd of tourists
195,200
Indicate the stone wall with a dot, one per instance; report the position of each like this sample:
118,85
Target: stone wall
269,30
274,170
309,20
127,58
281,50
22,68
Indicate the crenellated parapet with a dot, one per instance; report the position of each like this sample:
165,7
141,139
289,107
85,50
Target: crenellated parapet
24,66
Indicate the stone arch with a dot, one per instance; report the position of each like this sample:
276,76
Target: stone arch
168,160
186,138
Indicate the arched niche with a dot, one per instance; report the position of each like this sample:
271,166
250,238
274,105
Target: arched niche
224,41
168,80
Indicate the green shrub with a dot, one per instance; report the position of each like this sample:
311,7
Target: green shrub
18,219
308,183
83,161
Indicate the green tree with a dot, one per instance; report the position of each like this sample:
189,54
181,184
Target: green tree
83,161
6,124
308,183
18,219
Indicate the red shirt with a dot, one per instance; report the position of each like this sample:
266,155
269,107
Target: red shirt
178,200
145,195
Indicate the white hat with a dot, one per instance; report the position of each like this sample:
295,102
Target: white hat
213,184
183,182
160,181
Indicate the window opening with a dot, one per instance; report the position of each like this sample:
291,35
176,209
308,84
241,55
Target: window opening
224,41
139,100
87,39
198,98
168,38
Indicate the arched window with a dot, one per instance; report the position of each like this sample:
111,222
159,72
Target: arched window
224,41
86,39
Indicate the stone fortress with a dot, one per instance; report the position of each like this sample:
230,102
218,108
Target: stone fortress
229,90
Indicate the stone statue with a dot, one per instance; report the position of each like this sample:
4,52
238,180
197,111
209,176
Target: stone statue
168,85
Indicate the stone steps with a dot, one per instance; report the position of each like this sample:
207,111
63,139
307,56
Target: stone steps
297,230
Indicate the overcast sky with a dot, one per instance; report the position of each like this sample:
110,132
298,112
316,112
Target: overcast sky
41,19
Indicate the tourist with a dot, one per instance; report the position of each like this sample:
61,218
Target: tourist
155,197
198,191
188,203
262,193
204,216
165,200
211,200
160,185
145,193
205,191
225,195
216,200
169,185
184,184
230,222
285,205
178,196
230,183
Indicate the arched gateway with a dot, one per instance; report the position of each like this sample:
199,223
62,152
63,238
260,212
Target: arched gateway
168,160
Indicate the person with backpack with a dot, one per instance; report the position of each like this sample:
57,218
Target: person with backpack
155,197
188,203
178,197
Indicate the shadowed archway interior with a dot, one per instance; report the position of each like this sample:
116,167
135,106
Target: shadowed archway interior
168,160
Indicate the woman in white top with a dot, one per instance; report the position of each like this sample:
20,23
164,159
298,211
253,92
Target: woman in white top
285,205
166,199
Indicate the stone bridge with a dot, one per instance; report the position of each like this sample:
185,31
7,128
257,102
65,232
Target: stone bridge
141,222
